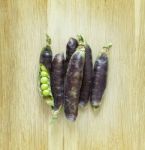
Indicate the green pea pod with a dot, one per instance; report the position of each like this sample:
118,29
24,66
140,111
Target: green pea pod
45,73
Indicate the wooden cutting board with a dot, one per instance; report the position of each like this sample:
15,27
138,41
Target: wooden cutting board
24,117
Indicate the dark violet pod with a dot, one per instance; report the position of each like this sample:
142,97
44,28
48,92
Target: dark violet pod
46,55
87,77
70,49
73,82
58,80
99,79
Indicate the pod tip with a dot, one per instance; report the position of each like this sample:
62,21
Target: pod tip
50,102
56,112
48,40
80,39
96,105
108,46
71,117
82,104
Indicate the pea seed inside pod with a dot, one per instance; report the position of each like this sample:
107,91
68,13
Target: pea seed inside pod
43,68
44,80
44,87
46,93
44,74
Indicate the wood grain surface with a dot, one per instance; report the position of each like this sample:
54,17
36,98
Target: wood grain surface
24,117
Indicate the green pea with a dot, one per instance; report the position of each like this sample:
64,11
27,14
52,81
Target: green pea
44,87
44,80
43,68
44,74
45,92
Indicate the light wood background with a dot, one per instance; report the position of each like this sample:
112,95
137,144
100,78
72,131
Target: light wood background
24,117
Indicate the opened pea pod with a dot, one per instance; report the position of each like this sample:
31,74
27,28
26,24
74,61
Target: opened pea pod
44,73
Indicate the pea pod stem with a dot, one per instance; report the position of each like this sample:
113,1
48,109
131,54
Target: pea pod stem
48,40
54,115
56,112
81,40
106,48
